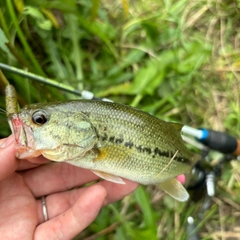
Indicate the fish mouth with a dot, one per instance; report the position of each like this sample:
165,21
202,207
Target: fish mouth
24,138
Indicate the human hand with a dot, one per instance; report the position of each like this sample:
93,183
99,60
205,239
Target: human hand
69,211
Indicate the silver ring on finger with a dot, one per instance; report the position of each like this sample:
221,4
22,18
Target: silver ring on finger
44,208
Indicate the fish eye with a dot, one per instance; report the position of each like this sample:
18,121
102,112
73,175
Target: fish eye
39,117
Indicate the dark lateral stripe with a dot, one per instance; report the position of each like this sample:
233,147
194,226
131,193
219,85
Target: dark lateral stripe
170,155
153,153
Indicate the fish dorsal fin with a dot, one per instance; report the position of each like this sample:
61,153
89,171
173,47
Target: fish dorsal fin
175,189
109,177
177,126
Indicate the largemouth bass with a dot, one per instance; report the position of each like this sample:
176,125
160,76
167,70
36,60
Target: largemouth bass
113,140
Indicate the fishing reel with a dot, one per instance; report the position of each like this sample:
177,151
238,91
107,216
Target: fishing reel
204,175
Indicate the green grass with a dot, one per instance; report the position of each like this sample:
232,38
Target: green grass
178,60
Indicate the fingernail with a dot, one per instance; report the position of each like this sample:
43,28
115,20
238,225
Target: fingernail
6,141
181,178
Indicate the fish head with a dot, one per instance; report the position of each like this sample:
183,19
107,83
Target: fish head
59,134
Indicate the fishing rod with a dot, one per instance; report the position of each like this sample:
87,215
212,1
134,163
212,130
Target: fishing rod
204,176
84,93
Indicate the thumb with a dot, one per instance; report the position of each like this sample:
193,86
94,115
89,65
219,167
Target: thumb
8,162
75,219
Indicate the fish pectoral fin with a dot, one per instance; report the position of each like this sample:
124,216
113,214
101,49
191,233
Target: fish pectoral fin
109,177
175,189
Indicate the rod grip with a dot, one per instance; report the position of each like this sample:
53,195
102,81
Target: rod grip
221,142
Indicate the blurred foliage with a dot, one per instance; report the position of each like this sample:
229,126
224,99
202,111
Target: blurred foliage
178,60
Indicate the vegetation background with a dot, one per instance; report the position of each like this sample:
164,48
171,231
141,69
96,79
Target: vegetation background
176,59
